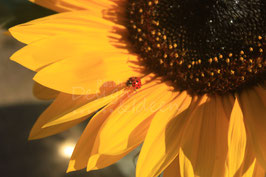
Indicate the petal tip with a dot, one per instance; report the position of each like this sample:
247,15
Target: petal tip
15,33
71,166
32,137
92,162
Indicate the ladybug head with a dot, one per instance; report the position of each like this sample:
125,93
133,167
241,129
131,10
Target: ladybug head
129,83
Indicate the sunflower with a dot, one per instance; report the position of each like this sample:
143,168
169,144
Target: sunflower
200,109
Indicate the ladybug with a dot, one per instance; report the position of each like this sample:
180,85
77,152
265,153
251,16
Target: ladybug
134,82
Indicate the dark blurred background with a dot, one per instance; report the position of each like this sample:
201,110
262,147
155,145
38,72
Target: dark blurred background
19,109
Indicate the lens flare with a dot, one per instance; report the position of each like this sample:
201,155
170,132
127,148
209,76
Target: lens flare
65,149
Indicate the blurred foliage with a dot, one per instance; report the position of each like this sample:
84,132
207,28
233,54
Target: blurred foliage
13,12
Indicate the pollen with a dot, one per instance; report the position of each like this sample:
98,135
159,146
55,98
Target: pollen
197,46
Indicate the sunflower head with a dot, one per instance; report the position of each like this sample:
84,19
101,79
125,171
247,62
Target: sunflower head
210,46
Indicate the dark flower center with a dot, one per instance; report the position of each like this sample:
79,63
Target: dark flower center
203,46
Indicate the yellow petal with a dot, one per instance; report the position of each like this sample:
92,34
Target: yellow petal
44,52
98,161
236,140
101,160
86,142
43,93
80,22
261,91
204,140
162,142
72,5
127,125
68,110
250,170
228,103
83,110
258,171
87,74
173,170
63,104
186,168
253,106
117,130
247,166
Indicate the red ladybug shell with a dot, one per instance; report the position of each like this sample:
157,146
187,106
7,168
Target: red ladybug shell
134,82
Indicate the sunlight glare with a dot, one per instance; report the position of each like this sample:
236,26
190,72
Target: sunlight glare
66,149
